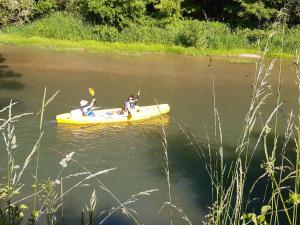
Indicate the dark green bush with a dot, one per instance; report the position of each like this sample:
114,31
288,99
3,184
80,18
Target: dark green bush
10,215
117,13
44,7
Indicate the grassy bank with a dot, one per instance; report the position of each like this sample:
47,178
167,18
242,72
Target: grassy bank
116,47
187,37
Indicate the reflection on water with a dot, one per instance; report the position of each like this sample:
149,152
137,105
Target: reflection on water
9,80
115,127
99,133
7,77
135,148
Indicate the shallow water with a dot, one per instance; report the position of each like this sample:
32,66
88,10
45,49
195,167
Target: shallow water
135,150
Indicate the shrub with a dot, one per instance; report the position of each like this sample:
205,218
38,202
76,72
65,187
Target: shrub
253,36
58,26
257,37
289,42
193,33
148,34
105,33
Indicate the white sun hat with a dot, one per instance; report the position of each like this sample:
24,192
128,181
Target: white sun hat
83,103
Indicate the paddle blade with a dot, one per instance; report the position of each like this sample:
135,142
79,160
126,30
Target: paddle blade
92,92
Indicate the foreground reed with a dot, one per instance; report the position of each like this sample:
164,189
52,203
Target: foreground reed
232,198
48,196
12,209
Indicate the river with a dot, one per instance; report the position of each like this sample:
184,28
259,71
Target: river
135,150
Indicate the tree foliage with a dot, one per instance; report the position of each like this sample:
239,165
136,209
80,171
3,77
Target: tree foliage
258,12
43,7
118,13
15,12
121,14
293,10
169,10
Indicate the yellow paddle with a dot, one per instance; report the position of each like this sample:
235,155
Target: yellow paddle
92,93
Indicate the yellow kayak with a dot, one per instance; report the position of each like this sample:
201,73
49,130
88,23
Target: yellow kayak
116,115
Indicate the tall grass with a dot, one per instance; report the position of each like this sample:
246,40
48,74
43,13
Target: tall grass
60,26
167,172
10,185
295,195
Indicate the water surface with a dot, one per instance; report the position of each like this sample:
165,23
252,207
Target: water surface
135,150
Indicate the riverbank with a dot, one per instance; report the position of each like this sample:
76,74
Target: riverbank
126,48
186,37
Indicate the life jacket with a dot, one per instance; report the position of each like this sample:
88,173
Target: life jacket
129,105
126,105
132,104
87,111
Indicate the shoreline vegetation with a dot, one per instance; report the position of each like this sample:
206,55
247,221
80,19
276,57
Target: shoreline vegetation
186,37
93,46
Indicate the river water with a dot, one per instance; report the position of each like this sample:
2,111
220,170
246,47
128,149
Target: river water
135,150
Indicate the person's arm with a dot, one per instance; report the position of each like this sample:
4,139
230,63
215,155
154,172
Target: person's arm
92,103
